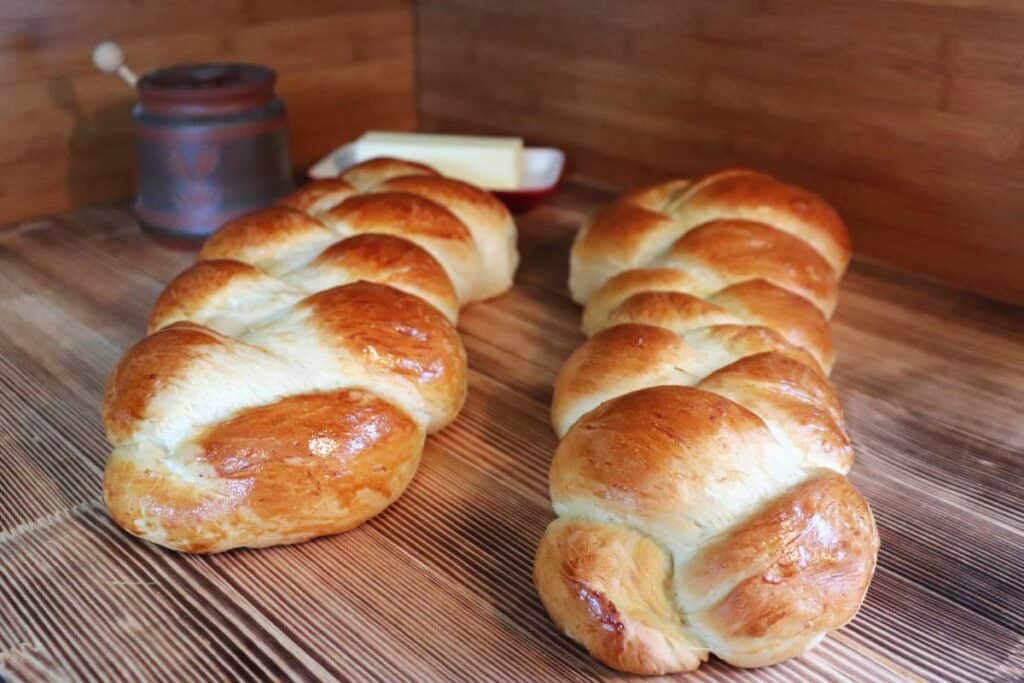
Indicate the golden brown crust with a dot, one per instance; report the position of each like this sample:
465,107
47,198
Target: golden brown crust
193,288
742,341
398,213
671,310
668,298
319,195
675,457
616,361
486,218
391,261
800,567
670,460
620,228
699,481
620,237
741,193
395,333
660,196
368,174
628,283
800,322
145,369
305,466
292,373
450,193
419,220
740,251
794,399
267,238
634,231
610,589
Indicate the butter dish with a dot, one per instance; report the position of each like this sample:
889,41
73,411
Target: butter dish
543,168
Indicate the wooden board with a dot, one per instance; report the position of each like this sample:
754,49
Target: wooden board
438,587
905,113
66,132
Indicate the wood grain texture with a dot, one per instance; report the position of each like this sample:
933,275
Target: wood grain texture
904,113
66,136
438,587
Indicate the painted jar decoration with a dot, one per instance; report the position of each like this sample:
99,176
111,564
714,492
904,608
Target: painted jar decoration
211,145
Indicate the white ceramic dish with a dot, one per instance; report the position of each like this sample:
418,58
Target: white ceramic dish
543,168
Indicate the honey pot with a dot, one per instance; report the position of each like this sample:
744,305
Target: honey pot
211,144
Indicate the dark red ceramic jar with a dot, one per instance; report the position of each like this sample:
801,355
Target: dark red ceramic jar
212,144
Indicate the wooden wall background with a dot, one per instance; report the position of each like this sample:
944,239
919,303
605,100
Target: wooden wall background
65,129
907,114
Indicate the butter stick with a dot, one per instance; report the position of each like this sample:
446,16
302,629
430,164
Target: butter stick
494,163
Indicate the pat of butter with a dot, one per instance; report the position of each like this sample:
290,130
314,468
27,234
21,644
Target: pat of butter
489,162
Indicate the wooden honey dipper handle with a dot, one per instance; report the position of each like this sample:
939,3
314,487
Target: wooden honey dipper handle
109,57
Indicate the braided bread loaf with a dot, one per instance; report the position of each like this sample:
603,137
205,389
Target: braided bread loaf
700,480
290,376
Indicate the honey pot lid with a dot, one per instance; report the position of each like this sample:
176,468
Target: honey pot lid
218,87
